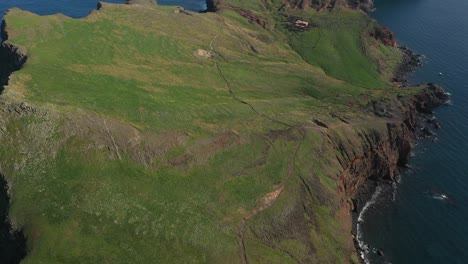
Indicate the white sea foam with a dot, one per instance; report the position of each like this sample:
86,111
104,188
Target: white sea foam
363,247
394,189
442,197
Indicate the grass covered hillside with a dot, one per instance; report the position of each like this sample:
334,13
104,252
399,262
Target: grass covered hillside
147,134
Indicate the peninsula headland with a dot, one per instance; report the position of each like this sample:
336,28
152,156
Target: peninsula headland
252,132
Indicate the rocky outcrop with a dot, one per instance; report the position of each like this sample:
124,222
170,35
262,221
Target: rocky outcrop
212,5
373,155
365,5
319,5
13,242
384,35
12,57
409,63
251,17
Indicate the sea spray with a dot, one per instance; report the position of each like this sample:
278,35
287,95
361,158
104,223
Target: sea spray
363,247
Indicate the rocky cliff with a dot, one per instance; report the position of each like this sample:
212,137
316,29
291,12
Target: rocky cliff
375,154
318,5
12,57
329,162
212,5
384,35
359,153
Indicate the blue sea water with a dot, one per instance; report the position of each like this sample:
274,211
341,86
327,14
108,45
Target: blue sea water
80,8
419,225
426,220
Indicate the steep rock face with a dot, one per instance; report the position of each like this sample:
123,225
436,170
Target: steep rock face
251,17
212,5
385,36
365,5
12,57
365,152
319,5
374,154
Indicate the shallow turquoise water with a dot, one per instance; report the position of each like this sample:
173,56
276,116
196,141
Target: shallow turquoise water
420,225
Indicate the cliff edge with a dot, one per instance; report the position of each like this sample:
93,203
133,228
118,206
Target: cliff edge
248,135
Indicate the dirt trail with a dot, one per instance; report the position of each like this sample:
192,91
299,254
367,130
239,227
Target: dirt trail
231,91
270,198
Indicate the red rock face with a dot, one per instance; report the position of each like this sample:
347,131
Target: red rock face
323,4
385,36
377,153
251,17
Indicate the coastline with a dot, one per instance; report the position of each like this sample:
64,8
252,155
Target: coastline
411,61
416,107
375,186
369,192
415,121
373,189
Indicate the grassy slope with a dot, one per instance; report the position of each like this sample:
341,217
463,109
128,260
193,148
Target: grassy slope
139,152
340,45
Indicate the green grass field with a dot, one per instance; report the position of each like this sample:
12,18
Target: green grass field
140,154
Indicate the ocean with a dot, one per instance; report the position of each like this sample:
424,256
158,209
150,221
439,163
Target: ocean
80,8
423,218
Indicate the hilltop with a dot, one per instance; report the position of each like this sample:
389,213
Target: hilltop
146,133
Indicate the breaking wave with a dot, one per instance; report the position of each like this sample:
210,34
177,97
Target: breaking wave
365,248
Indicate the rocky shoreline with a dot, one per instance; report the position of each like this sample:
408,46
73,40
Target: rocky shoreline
411,61
380,153
418,123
